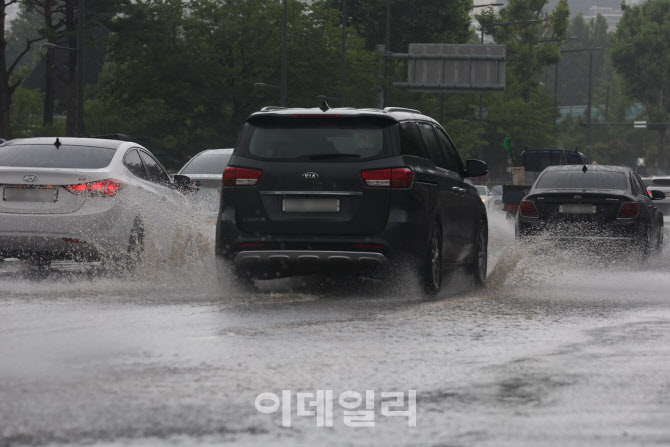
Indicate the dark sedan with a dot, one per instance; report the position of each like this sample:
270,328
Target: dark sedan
598,203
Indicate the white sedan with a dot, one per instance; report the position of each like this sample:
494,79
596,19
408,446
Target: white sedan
82,199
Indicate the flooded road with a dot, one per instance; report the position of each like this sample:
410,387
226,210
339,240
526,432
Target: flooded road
558,349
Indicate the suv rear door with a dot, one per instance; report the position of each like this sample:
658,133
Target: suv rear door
310,175
451,195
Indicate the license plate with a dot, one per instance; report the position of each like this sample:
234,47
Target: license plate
577,208
30,195
311,205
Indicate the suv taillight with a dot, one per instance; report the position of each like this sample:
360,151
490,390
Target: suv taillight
628,210
241,176
100,188
395,178
527,208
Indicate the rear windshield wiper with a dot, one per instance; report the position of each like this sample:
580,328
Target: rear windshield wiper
334,155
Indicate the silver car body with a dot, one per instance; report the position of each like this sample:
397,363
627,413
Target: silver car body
205,170
660,183
42,214
485,195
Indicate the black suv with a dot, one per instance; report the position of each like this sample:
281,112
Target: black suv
324,190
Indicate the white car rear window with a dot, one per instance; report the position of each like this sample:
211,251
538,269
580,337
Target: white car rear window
50,156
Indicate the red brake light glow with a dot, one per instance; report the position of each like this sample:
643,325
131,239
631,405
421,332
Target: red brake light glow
527,208
395,178
316,116
628,210
73,241
241,176
100,188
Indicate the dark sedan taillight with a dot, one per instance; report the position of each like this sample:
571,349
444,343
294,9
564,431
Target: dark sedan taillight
527,208
241,176
395,178
628,210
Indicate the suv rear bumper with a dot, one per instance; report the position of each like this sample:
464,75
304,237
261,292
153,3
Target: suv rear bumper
402,238
278,263
250,257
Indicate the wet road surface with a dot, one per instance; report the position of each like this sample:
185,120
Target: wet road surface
558,349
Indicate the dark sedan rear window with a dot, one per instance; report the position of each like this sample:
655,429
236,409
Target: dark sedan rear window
49,156
538,160
207,164
317,139
582,180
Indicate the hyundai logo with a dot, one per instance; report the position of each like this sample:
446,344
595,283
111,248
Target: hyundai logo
30,178
310,176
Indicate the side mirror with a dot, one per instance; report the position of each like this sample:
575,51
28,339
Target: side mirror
475,168
657,195
182,183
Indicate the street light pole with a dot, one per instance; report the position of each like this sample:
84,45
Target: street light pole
530,59
555,89
481,97
589,103
387,49
81,22
284,57
589,151
344,51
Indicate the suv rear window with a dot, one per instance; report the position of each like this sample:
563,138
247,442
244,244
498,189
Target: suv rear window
316,138
569,179
49,156
660,182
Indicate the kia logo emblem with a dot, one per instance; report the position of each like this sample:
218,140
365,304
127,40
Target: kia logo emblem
310,176
30,178
577,197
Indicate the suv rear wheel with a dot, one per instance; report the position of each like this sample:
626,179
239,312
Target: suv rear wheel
430,272
479,263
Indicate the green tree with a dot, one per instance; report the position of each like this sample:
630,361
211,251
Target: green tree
412,21
191,68
22,29
573,69
531,46
641,55
9,81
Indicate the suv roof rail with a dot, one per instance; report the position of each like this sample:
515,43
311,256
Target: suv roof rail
401,109
269,108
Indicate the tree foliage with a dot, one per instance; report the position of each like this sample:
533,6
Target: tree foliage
8,68
192,68
533,37
641,55
573,68
412,21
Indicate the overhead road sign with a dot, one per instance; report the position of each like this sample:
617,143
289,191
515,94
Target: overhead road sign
454,68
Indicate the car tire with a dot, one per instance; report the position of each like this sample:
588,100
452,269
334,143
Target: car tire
479,263
644,245
660,241
430,269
